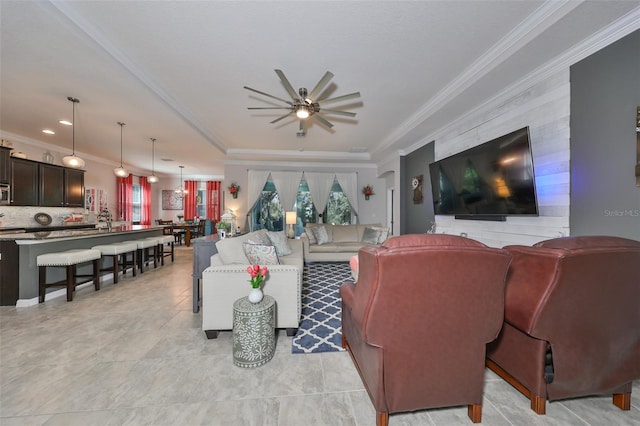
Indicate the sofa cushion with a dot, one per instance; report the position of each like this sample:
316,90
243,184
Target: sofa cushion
336,248
281,242
230,249
260,254
370,235
344,233
309,232
321,234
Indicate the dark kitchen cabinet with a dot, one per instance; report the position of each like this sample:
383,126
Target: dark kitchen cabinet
51,185
5,165
24,182
40,184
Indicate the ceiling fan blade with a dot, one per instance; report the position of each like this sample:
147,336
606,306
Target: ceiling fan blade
281,118
268,95
335,111
287,85
268,107
340,98
323,82
322,120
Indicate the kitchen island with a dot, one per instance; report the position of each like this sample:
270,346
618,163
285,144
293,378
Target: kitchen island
18,254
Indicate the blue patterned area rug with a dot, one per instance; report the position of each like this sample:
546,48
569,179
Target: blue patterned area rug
321,328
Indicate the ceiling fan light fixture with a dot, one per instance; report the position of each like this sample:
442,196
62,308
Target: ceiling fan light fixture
302,112
121,171
71,160
180,192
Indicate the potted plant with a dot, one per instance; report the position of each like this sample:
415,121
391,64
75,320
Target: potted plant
234,188
223,228
367,191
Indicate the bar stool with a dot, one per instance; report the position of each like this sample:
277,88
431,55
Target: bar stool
144,246
68,259
118,251
166,250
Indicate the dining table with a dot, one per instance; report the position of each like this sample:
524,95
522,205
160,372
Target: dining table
188,227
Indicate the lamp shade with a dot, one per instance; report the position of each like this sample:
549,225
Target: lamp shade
73,161
290,218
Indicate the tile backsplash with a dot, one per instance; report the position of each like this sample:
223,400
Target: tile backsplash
18,216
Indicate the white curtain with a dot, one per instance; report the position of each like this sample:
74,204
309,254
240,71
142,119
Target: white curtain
319,186
287,184
257,179
349,184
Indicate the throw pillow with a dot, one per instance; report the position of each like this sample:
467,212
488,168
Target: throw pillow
280,241
384,233
309,231
370,236
259,254
320,232
259,237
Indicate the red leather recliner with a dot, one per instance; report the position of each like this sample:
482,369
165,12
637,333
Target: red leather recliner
572,320
418,321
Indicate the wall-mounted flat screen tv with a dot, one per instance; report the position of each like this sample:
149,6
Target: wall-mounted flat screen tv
489,181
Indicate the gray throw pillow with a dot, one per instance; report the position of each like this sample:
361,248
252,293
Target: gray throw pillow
370,235
281,243
321,234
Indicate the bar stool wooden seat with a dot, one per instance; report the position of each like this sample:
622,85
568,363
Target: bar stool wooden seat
147,247
119,252
68,259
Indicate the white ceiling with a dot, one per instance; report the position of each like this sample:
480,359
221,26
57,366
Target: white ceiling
175,71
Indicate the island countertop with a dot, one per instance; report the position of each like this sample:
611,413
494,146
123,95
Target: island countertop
40,237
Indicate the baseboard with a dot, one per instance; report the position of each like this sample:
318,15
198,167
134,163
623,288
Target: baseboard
25,303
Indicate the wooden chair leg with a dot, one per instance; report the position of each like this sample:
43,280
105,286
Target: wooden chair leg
172,253
382,419
538,404
475,413
42,280
116,271
344,341
622,401
71,281
96,273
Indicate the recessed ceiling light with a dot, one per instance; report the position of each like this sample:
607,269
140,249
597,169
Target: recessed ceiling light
167,159
65,122
49,132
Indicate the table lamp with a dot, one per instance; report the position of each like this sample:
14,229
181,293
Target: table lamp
290,219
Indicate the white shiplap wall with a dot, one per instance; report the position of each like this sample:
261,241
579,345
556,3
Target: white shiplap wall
544,107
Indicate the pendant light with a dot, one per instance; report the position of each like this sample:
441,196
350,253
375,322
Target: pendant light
153,178
121,171
180,192
72,160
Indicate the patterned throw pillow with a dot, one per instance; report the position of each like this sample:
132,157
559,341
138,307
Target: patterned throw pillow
280,241
370,235
320,232
259,237
260,254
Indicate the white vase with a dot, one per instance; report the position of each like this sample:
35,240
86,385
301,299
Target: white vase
221,233
255,295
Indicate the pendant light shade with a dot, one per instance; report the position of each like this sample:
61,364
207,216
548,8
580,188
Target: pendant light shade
72,160
121,171
153,178
180,192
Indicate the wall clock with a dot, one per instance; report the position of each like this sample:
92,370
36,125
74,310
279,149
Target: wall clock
416,184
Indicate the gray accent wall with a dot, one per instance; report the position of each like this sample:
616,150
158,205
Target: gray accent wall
417,218
605,94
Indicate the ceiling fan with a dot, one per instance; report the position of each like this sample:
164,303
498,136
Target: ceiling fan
306,104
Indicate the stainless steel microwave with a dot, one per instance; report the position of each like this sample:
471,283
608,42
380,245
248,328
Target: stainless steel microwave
5,194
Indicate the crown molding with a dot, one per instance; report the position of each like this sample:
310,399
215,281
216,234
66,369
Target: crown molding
295,166
300,154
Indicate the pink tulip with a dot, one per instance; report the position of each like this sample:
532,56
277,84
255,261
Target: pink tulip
264,270
256,268
254,274
249,269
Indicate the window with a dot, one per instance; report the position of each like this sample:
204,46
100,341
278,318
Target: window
267,211
338,210
137,203
201,203
304,208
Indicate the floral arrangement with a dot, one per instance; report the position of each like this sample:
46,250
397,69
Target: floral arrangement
257,275
234,188
223,225
367,191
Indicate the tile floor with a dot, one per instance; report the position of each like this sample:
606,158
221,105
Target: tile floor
134,354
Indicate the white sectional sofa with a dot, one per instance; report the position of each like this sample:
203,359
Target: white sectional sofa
227,280
341,242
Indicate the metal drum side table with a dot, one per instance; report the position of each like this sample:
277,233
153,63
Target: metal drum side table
254,337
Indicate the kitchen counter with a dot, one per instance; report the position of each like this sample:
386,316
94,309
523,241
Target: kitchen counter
19,252
40,237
